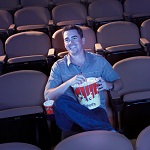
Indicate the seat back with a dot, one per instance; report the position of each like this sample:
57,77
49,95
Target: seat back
77,14
136,7
60,2
6,19
138,74
135,74
118,33
27,43
137,11
21,110
119,40
142,142
95,140
17,145
105,10
28,3
26,92
1,48
145,29
32,16
10,5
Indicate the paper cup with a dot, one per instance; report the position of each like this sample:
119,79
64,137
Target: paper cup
48,106
87,93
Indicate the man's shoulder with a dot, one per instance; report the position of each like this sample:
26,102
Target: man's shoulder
61,61
94,55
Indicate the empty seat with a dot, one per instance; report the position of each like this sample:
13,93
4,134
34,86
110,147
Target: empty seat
19,146
145,35
59,2
22,116
32,18
136,10
10,5
96,140
7,26
70,13
118,40
2,57
58,42
28,50
103,11
142,142
135,94
28,3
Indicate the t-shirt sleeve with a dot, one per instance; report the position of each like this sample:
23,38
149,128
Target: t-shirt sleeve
55,78
109,74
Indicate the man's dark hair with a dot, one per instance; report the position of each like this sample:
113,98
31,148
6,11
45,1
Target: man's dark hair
73,27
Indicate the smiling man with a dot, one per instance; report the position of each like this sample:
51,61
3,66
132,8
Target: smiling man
73,69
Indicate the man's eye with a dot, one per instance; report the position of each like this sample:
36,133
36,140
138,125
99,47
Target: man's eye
66,40
74,38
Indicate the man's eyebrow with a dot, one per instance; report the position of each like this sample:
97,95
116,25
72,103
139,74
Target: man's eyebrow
74,36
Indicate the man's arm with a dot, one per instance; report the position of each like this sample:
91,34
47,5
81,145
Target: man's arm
53,93
115,85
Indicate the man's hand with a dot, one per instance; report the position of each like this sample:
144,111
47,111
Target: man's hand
103,85
78,79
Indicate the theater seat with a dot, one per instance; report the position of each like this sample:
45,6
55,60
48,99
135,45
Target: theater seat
135,94
19,146
96,140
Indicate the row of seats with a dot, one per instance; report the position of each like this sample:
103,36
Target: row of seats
105,140
115,41
99,12
22,114
93,140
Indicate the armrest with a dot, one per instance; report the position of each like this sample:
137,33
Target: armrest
99,50
116,101
51,58
127,16
144,42
2,63
118,106
2,59
90,21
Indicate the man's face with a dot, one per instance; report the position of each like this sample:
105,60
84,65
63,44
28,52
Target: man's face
73,42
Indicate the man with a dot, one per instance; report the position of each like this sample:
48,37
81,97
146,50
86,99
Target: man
73,69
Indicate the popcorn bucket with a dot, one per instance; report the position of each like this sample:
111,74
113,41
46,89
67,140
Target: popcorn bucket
87,93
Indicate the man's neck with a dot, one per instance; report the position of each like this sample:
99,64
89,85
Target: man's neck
78,59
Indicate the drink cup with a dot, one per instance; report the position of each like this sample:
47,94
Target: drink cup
87,93
48,106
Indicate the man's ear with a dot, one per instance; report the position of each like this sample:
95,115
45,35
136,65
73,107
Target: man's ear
83,40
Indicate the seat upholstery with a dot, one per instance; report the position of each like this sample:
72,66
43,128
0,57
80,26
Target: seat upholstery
96,140
136,11
142,142
17,145
21,108
32,18
60,2
104,11
7,26
135,94
28,3
27,47
118,40
77,14
10,5
145,35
